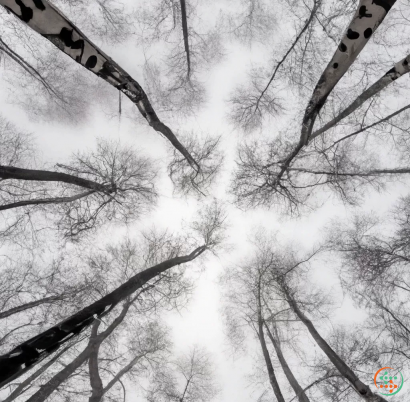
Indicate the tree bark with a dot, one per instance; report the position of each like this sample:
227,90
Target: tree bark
48,21
369,15
400,68
35,349
186,36
300,393
95,341
95,379
11,172
362,389
20,389
27,306
45,201
271,372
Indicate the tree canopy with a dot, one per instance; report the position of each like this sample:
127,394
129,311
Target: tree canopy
204,201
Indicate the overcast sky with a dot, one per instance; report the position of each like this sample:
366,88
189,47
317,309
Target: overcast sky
201,321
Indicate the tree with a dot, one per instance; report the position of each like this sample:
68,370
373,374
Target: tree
113,183
192,46
263,173
63,34
248,295
375,274
209,228
187,379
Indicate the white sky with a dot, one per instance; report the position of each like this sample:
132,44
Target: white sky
200,323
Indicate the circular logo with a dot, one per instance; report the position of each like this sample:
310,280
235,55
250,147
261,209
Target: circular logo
388,381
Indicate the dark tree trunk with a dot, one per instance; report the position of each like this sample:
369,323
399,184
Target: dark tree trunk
300,393
11,172
27,306
271,372
186,36
362,389
29,353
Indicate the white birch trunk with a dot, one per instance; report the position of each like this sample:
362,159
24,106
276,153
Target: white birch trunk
401,68
52,24
369,15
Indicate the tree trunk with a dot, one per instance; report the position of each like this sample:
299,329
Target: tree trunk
20,389
11,172
95,379
37,348
369,15
186,36
45,201
401,68
362,389
271,372
286,369
27,306
48,21
95,341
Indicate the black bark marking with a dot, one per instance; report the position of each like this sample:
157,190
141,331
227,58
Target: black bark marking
368,33
91,62
67,37
26,12
393,72
342,47
107,71
30,355
50,338
386,4
405,62
335,65
363,13
352,34
53,348
39,4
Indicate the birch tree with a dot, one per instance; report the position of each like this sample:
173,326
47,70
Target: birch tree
263,174
48,21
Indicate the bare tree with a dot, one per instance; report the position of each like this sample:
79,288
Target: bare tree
111,184
193,46
145,349
374,272
263,183
190,378
70,40
208,154
251,104
253,22
209,230
248,296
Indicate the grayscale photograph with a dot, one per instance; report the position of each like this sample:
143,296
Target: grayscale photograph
204,201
